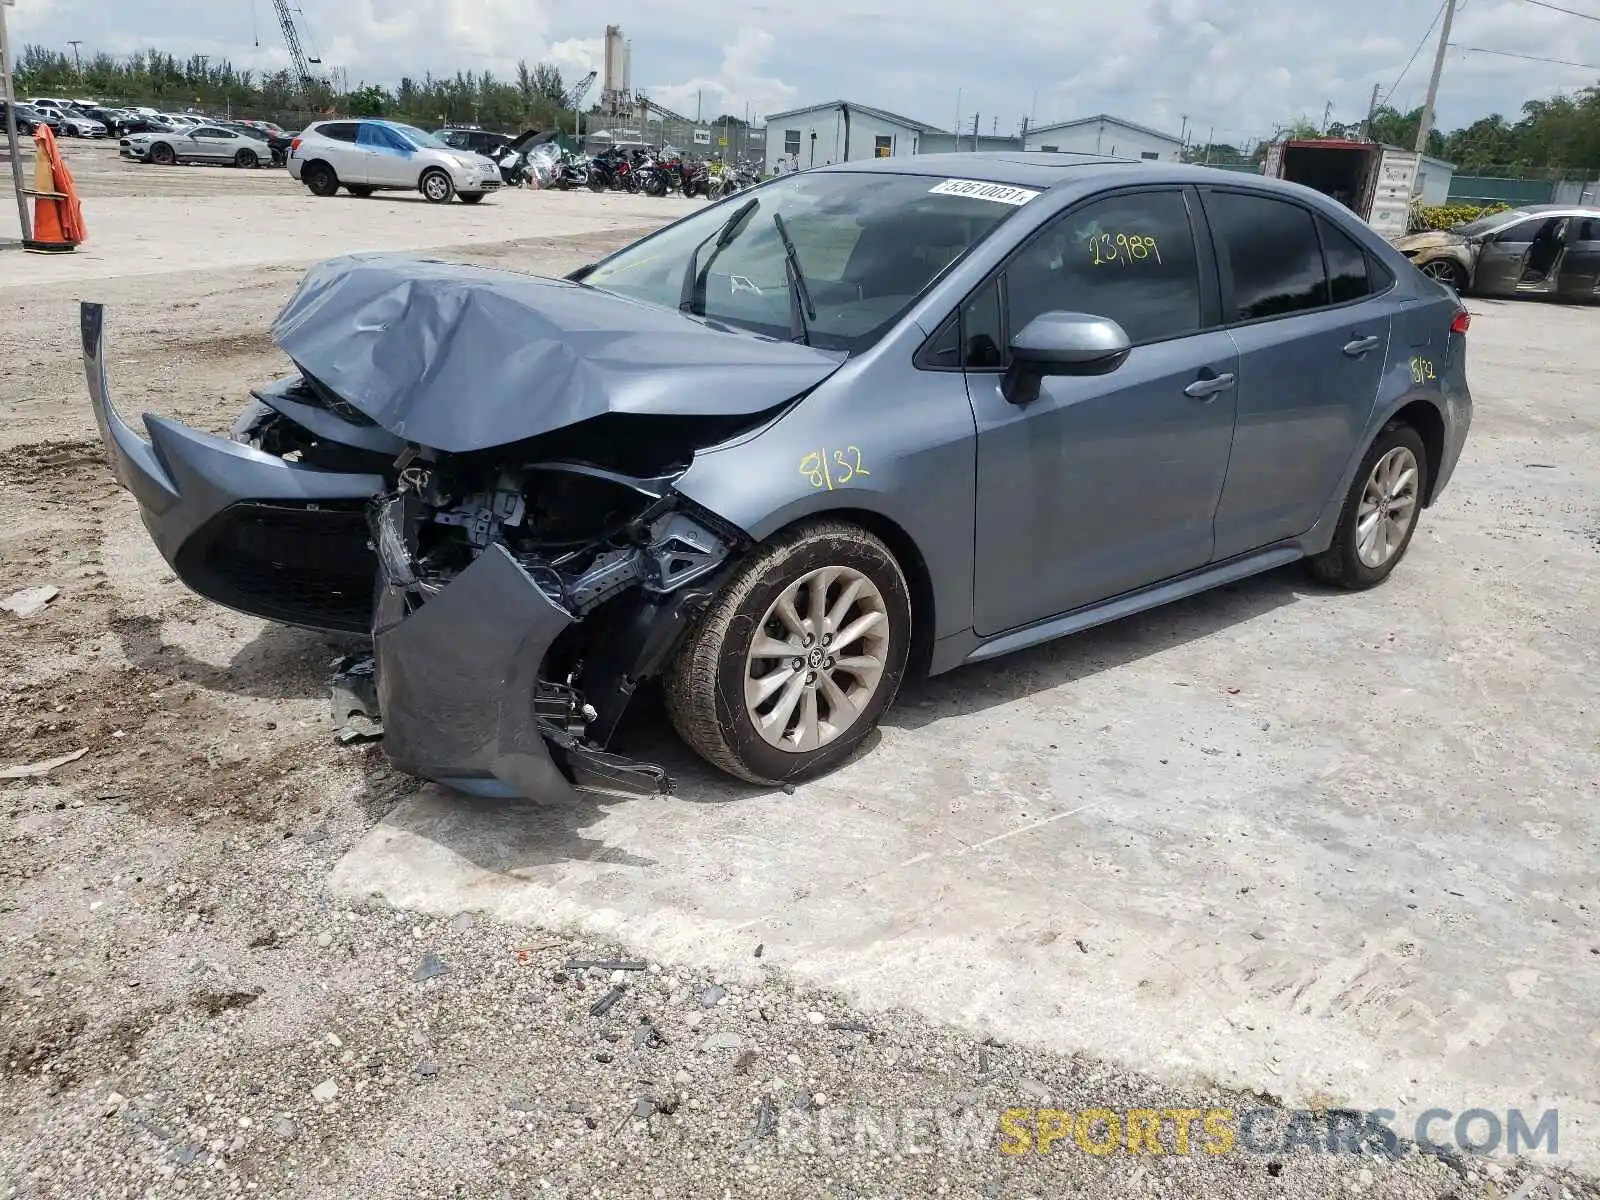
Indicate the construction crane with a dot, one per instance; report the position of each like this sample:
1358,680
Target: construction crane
574,98
304,79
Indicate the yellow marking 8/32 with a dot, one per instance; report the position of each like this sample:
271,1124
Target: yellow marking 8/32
1422,370
1123,248
829,469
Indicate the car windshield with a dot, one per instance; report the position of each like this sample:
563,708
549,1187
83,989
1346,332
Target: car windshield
417,137
868,244
1485,224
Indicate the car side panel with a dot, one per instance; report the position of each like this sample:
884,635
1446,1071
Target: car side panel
1580,268
876,437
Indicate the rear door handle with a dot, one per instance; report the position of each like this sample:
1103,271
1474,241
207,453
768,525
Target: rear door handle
1201,388
1356,347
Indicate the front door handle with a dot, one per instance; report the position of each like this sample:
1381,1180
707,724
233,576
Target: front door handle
1356,347
1210,386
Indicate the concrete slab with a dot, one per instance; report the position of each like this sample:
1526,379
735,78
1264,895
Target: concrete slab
239,219
1338,848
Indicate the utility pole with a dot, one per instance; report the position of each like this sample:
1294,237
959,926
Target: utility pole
11,125
76,61
1372,112
1183,133
975,133
1211,136
1327,111
1426,127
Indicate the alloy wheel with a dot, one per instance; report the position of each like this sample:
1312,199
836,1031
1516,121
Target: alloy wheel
1388,507
817,659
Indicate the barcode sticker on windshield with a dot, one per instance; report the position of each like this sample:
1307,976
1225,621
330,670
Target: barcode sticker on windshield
1000,193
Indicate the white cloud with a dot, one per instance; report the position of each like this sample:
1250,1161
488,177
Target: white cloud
737,87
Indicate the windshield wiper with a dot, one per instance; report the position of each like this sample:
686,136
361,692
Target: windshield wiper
694,280
800,306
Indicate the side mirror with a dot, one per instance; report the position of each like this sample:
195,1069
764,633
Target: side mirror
1062,343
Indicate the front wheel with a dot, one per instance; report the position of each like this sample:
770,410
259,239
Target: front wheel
1380,512
597,182
797,658
1446,271
246,160
436,187
162,155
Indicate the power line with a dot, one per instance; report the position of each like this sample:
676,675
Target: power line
1389,95
1560,62
1571,12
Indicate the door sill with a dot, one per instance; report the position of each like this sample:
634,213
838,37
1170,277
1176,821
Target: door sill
1125,605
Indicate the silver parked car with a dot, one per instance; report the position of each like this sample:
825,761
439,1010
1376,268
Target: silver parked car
890,415
197,143
368,156
1539,250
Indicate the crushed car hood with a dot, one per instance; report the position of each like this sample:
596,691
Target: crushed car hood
461,358
1429,240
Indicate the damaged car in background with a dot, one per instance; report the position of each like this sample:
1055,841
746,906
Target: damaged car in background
882,416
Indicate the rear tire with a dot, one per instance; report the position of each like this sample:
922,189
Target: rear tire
246,160
319,179
436,187
1369,541
708,686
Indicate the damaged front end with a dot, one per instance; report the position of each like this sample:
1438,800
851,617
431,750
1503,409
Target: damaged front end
519,607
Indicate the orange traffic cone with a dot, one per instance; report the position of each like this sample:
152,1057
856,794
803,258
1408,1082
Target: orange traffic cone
57,219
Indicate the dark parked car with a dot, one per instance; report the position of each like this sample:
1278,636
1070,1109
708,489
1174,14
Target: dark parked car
27,119
888,415
137,123
479,141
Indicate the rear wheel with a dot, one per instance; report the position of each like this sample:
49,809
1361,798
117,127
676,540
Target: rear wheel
797,658
319,179
359,190
1446,271
247,160
1380,512
162,155
597,182
436,187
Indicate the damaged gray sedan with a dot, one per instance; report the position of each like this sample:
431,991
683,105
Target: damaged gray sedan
891,415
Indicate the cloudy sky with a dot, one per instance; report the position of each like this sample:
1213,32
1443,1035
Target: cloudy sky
1236,66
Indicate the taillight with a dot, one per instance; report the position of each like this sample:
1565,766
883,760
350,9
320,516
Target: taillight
294,145
1462,320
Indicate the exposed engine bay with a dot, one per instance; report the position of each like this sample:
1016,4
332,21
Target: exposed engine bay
617,552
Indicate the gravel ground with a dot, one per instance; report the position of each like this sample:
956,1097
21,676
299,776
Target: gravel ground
188,1010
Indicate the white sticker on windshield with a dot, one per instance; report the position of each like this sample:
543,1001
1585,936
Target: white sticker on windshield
1000,193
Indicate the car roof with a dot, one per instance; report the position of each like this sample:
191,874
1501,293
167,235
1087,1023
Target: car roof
1039,169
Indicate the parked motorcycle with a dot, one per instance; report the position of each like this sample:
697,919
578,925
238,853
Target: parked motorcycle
696,180
612,169
571,171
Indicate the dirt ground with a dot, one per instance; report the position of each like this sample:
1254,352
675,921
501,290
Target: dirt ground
187,1007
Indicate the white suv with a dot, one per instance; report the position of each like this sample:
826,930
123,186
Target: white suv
367,156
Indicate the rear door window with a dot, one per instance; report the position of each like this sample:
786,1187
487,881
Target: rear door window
1130,257
339,131
1270,249
1349,276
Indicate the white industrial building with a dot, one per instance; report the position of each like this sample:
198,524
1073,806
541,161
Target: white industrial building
840,131
1105,135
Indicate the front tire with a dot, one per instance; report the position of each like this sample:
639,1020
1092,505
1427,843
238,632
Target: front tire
436,187
1446,271
246,160
826,595
1380,512
162,155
